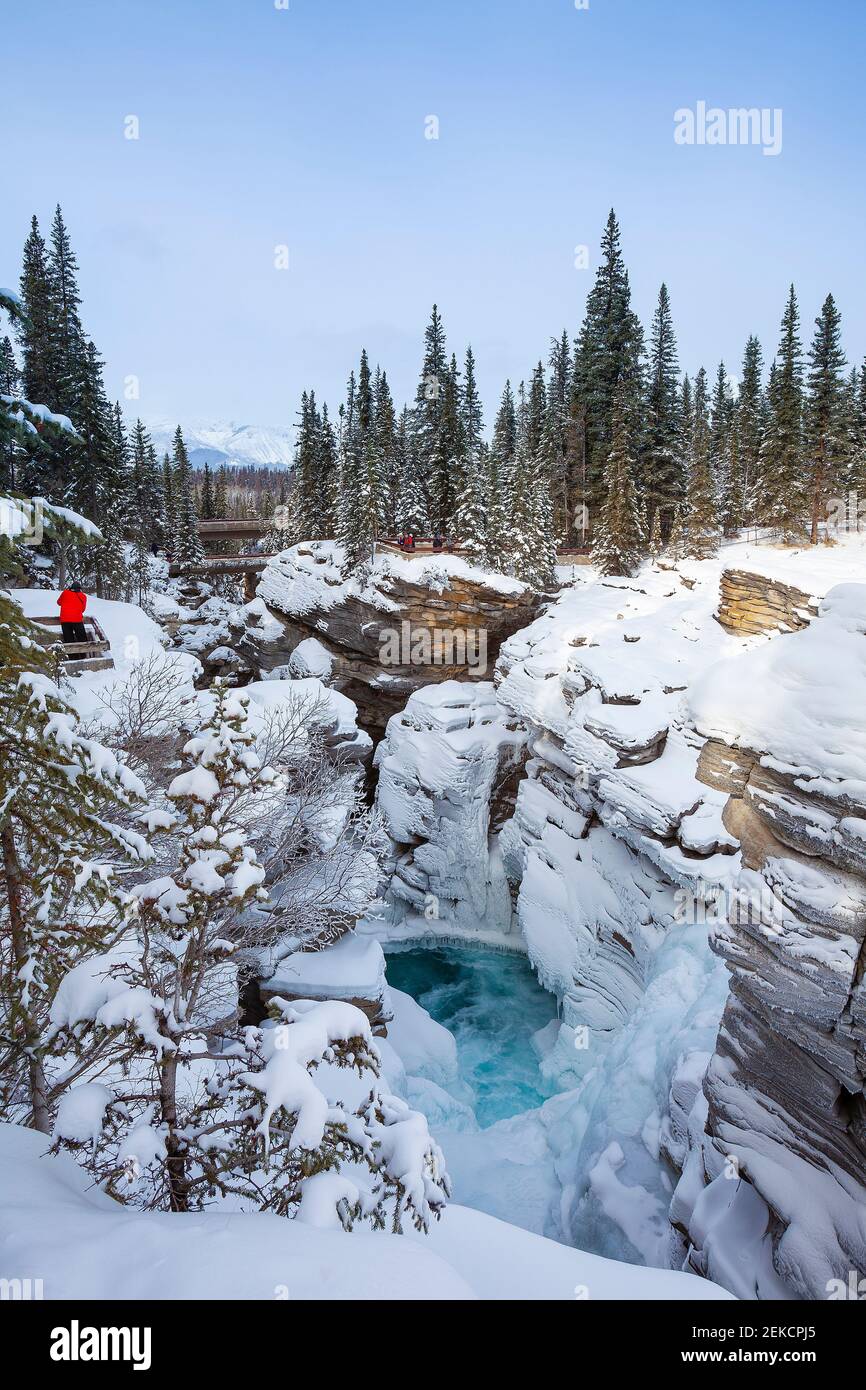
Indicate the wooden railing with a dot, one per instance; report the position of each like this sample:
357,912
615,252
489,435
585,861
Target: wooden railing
92,655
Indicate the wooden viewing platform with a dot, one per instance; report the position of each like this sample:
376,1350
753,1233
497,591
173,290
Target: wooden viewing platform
93,655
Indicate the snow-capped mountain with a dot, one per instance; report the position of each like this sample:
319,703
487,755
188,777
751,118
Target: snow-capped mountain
256,446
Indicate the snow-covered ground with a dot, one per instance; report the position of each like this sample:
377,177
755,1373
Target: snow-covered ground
134,638
56,1227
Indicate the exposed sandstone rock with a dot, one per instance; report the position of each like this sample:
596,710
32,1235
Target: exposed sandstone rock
751,603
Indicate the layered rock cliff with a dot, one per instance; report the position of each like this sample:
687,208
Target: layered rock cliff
399,624
786,1086
611,817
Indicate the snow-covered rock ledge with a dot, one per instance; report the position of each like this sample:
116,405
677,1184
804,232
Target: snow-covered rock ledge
395,625
611,820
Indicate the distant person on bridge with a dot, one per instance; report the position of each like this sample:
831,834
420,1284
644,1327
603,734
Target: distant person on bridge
72,603
438,541
409,542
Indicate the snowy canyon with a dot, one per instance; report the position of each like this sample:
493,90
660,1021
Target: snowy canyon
624,803
616,957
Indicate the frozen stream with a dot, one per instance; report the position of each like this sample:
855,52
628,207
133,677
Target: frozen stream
492,1003
569,1154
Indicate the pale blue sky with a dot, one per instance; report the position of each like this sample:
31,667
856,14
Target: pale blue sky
261,126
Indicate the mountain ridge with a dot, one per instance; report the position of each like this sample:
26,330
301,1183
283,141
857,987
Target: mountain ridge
228,442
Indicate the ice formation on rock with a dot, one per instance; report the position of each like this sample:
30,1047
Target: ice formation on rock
446,765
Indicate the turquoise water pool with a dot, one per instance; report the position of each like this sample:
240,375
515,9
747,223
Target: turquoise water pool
492,1002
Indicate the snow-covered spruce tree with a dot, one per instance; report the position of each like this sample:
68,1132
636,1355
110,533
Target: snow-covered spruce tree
62,366
147,504
721,412
824,412
37,335
329,478
470,520
500,466
386,441
26,430
205,509
117,510
619,537
654,529
10,382
446,468
61,898
364,491
471,413
169,509
37,325
731,507
470,517
517,537
199,1107
411,503
674,547
429,397
855,480
558,434
662,465
781,500
187,548
608,360
527,539
700,527
221,494
146,524
69,338
750,417
91,465
307,493
359,517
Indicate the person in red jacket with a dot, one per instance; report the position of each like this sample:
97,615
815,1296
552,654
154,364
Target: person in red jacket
72,604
